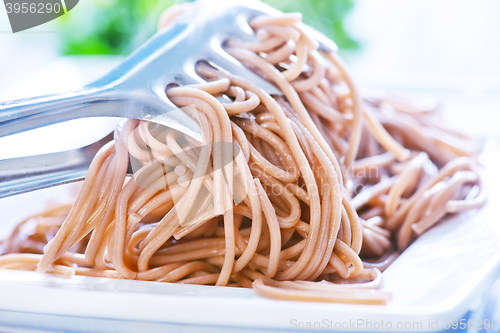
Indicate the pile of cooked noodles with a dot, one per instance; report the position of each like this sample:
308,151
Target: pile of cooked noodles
305,196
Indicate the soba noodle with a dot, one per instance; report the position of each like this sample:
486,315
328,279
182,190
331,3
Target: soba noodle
318,185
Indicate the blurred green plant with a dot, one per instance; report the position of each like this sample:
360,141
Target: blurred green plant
120,26
110,26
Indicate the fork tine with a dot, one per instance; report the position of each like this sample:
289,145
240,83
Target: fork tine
172,116
179,120
188,75
222,60
240,29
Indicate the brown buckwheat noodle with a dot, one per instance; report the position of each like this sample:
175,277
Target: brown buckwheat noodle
290,195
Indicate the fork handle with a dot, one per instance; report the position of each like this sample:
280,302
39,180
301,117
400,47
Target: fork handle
25,174
24,115
11,110
30,173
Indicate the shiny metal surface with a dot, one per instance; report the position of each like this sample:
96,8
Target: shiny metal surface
24,174
135,89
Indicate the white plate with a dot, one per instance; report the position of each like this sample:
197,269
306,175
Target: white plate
439,277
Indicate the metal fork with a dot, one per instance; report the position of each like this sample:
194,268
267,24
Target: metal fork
25,174
136,88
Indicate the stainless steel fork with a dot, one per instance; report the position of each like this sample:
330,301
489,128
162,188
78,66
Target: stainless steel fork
25,174
135,89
